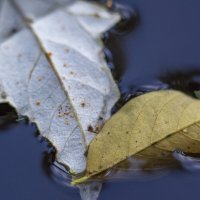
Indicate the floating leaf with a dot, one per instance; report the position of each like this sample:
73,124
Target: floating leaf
53,70
78,59
163,117
79,99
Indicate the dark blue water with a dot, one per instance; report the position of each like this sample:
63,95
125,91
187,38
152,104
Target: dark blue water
162,50
165,41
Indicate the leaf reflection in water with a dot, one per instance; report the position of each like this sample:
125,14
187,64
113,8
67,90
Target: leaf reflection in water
190,163
147,165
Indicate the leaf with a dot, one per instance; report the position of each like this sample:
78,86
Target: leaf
168,118
77,58
10,20
65,87
34,90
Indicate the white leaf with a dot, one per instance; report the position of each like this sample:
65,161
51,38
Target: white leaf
71,94
78,60
34,90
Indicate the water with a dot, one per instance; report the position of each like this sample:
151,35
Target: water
25,160
163,48
159,50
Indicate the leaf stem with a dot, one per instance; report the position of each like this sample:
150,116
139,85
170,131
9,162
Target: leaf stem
79,181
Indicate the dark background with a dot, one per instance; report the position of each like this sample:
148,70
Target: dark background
162,50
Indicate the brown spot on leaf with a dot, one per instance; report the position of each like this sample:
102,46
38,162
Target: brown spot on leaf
67,113
82,104
38,103
71,72
66,50
90,128
95,129
49,54
40,78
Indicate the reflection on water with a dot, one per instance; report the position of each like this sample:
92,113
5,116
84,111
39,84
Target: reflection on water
190,163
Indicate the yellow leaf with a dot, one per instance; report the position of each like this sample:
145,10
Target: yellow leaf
142,122
182,141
